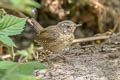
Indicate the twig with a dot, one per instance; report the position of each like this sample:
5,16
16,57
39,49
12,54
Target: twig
39,48
100,18
90,39
116,25
98,4
111,12
1,49
8,56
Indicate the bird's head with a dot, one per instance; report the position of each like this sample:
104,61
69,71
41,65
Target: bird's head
67,26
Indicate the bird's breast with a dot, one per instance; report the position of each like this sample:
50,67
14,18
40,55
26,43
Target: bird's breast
60,43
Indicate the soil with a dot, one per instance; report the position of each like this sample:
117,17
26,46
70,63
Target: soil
88,62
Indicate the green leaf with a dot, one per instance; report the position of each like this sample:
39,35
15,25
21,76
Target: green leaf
1,13
6,40
1,59
2,72
25,3
23,52
14,76
29,67
11,52
11,71
12,25
31,49
20,5
32,3
25,68
7,65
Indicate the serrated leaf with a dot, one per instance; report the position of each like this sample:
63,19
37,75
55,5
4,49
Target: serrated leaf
29,67
12,25
2,33
4,66
7,64
14,76
25,68
6,40
2,73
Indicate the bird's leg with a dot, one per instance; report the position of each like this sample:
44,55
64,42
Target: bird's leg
49,63
43,56
63,57
47,59
63,53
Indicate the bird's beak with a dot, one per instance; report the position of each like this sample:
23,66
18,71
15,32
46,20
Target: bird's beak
78,25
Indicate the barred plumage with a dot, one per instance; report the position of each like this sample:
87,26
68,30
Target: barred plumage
56,38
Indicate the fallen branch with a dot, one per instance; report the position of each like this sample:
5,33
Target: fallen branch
8,56
90,39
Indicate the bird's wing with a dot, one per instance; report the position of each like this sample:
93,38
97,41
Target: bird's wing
48,35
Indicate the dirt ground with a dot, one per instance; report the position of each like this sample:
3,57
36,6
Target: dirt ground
88,62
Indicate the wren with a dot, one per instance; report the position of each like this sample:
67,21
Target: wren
56,38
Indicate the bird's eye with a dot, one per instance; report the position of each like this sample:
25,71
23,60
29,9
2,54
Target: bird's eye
67,26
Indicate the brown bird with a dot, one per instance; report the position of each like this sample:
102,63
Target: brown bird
56,38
